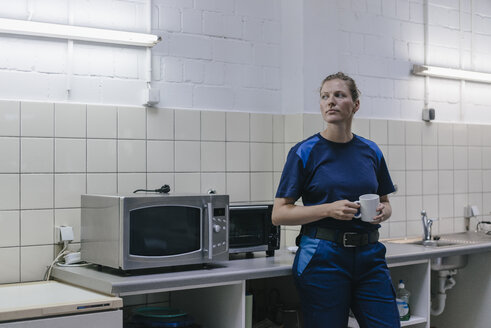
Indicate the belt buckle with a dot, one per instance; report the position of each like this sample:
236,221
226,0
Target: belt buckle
345,239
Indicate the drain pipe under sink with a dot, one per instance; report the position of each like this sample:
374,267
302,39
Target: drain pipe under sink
445,282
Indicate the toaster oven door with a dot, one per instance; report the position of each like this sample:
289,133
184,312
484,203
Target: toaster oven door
249,228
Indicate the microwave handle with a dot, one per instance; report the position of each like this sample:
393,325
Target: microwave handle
253,207
210,231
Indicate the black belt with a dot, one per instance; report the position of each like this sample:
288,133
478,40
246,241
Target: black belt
346,239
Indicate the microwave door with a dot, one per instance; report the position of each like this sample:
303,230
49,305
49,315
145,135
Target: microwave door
164,232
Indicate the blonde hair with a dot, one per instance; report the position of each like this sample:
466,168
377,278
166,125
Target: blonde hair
355,93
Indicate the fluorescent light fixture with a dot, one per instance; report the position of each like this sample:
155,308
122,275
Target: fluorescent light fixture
451,73
70,32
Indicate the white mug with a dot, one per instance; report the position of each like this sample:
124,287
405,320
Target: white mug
368,207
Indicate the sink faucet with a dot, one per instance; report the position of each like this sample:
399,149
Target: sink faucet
426,226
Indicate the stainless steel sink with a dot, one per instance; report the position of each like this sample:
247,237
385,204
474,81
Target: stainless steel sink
439,263
434,243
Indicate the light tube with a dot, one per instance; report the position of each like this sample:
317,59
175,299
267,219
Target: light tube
451,73
70,32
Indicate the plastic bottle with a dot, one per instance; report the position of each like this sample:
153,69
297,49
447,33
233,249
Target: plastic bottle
402,299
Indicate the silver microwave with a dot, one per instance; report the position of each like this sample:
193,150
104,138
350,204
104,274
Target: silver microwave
144,231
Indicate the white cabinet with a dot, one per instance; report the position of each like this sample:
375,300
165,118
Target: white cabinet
52,304
107,319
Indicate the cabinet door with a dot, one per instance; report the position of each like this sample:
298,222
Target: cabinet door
108,319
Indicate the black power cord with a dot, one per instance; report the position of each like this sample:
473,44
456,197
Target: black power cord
162,190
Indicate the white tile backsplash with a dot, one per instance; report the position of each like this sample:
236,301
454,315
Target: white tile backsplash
261,126
187,125
101,155
70,155
445,134
37,119
9,148
429,134
160,124
475,181
215,181
445,185
65,150
36,191
445,158
9,118
486,180
10,261
486,158
102,121
396,157
37,227
36,155
414,159
70,120
414,183
460,135
160,156
187,183
361,127
9,191
68,188
238,186
460,181
474,135
237,126
413,132
261,156
212,156
131,123
213,126
10,227
430,157
237,156
430,182
474,158
460,157
261,186
396,132
102,183
34,260
187,156
129,182
379,131
278,128
132,156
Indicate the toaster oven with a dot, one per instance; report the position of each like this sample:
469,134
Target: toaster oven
251,229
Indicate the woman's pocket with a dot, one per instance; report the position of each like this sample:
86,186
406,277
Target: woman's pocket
307,249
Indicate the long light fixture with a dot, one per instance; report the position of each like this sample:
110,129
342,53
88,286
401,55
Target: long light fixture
70,32
451,73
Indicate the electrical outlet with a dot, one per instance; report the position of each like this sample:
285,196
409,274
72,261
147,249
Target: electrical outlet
63,233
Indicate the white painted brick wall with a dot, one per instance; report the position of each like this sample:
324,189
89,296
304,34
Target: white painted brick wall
234,50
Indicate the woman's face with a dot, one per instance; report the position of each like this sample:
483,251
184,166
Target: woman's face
336,103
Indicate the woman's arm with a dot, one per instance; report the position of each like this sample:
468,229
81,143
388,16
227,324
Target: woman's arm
285,212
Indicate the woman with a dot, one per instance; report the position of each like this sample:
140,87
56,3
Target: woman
339,264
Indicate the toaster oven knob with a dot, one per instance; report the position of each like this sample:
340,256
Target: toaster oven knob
217,228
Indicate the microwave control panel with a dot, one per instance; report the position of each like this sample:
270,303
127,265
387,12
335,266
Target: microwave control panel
219,230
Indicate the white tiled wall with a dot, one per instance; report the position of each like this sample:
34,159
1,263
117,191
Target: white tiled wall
52,153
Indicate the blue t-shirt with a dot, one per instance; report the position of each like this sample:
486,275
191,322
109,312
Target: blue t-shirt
321,171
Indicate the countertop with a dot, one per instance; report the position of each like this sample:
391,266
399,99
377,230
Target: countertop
48,298
119,283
